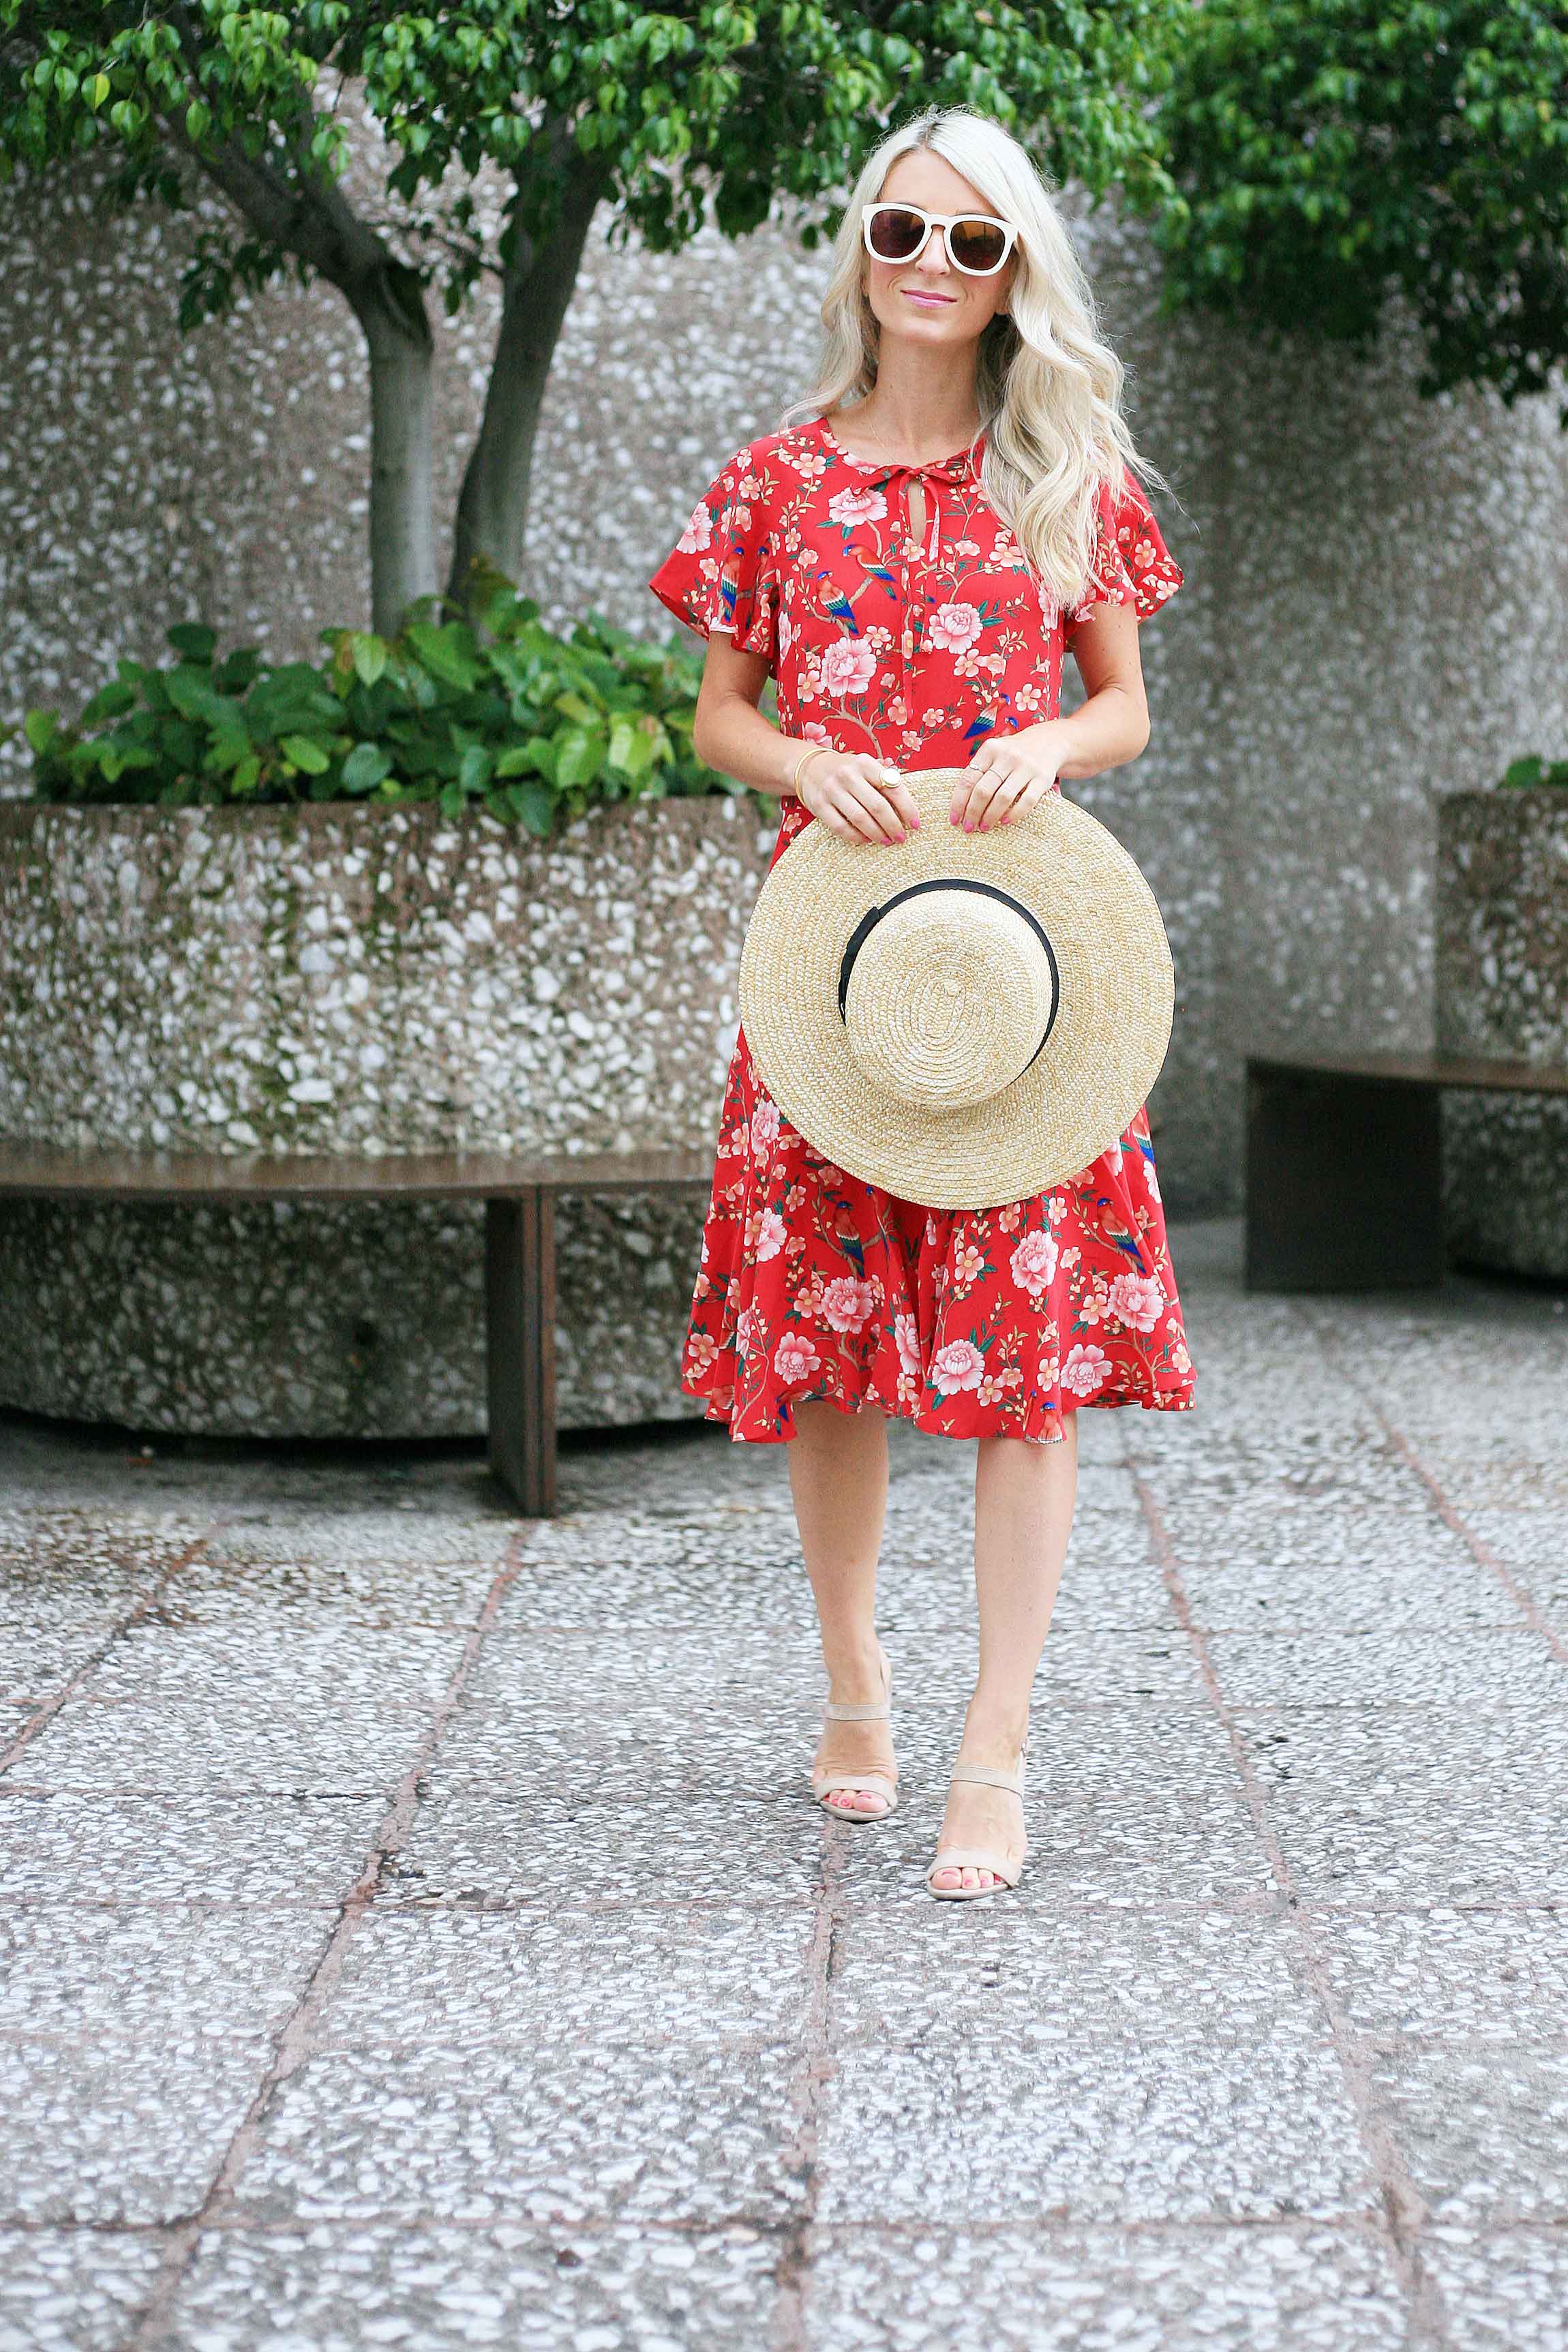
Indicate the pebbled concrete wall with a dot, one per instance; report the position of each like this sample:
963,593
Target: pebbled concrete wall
334,980
338,978
1502,995
1378,587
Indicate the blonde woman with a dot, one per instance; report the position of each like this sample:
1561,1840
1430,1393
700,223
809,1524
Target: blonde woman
950,509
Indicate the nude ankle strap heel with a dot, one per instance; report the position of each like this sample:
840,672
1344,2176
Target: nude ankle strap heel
979,1857
880,1783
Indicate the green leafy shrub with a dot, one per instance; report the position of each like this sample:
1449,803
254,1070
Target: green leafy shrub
1525,775
489,709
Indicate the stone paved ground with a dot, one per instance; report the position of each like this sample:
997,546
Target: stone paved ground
420,1933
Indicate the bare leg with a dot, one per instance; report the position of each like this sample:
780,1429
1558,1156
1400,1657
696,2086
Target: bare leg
839,1478
1024,1498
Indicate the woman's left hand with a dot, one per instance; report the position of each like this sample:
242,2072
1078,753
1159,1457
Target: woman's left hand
1008,775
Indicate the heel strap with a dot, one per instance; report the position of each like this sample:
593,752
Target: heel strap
836,1713
989,1776
878,1711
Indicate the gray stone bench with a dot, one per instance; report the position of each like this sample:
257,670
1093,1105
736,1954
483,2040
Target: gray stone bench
1344,1164
518,1195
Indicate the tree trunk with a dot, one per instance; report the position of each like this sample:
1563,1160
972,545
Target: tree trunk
310,216
390,307
492,510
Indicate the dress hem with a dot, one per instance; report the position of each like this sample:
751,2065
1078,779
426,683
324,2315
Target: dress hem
1170,1400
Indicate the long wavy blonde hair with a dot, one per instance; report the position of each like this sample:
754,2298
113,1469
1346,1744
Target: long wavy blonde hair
1048,387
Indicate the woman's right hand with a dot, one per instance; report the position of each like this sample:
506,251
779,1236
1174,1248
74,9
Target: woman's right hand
860,798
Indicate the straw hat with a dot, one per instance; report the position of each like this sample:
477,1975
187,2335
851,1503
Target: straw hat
965,1018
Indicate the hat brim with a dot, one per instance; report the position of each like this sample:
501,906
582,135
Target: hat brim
1084,1087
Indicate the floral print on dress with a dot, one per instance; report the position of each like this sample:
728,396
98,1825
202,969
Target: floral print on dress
914,645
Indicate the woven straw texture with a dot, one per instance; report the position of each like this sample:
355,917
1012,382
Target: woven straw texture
945,1000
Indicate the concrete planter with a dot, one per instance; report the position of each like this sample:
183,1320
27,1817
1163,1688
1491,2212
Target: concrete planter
1503,992
350,980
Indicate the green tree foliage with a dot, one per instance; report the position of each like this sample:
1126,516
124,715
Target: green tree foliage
653,111
1529,775
1325,152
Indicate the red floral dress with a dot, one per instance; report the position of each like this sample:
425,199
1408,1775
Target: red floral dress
813,1282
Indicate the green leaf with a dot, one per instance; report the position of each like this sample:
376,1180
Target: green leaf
229,746
237,671
369,656
489,598
193,642
98,90
652,749
367,765
1523,774
193,696
294,698
579,754
474,768
40,727
111,701
535,804
305,754
519,760
450,654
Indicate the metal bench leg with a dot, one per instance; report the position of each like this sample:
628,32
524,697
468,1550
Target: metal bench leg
1344,1182
520,1346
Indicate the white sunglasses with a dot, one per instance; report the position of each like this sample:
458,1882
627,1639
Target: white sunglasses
976,244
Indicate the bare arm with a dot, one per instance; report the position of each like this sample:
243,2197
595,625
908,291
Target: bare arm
1011,773
730,731
860,798
1112,726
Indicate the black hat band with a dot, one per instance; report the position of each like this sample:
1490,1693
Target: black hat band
873,915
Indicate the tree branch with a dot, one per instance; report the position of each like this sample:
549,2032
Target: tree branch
308,215
304,213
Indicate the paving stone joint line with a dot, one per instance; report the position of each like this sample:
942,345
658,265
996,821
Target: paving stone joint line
808,2091
294,2044
1451,1517
1402,2207
798,2108
140,1611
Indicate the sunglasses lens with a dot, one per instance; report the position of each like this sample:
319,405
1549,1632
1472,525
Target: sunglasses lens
978,245
896,233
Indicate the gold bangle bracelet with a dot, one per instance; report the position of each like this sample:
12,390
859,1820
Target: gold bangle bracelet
810,752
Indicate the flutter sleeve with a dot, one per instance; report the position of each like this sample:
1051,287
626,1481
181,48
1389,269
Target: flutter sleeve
721,573
1132,565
